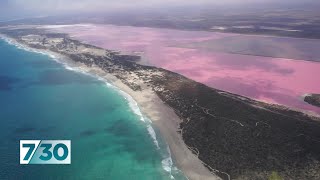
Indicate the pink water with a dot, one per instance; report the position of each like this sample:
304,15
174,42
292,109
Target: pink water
275,80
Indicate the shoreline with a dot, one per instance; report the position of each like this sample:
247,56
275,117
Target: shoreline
161,115
165,119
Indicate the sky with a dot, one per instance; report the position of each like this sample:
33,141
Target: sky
10,9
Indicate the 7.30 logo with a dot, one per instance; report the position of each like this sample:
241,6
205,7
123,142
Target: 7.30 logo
45,152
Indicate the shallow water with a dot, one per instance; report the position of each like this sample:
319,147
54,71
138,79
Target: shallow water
41,99
210,58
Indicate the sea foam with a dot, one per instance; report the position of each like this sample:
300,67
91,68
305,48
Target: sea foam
167,163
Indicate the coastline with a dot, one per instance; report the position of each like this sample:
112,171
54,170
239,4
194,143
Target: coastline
226,131
161,115
165,119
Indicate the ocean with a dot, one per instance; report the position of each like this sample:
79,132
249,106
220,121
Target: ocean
41,98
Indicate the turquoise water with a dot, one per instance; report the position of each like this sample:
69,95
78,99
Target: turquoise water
41,99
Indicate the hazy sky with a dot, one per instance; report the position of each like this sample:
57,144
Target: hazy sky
20,8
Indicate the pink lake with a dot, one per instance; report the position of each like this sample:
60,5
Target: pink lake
215,59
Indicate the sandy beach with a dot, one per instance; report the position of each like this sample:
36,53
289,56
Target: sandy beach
165,119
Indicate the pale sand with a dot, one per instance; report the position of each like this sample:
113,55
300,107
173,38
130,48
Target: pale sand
165,119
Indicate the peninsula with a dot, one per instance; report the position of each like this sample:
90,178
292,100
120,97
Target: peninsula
212,134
